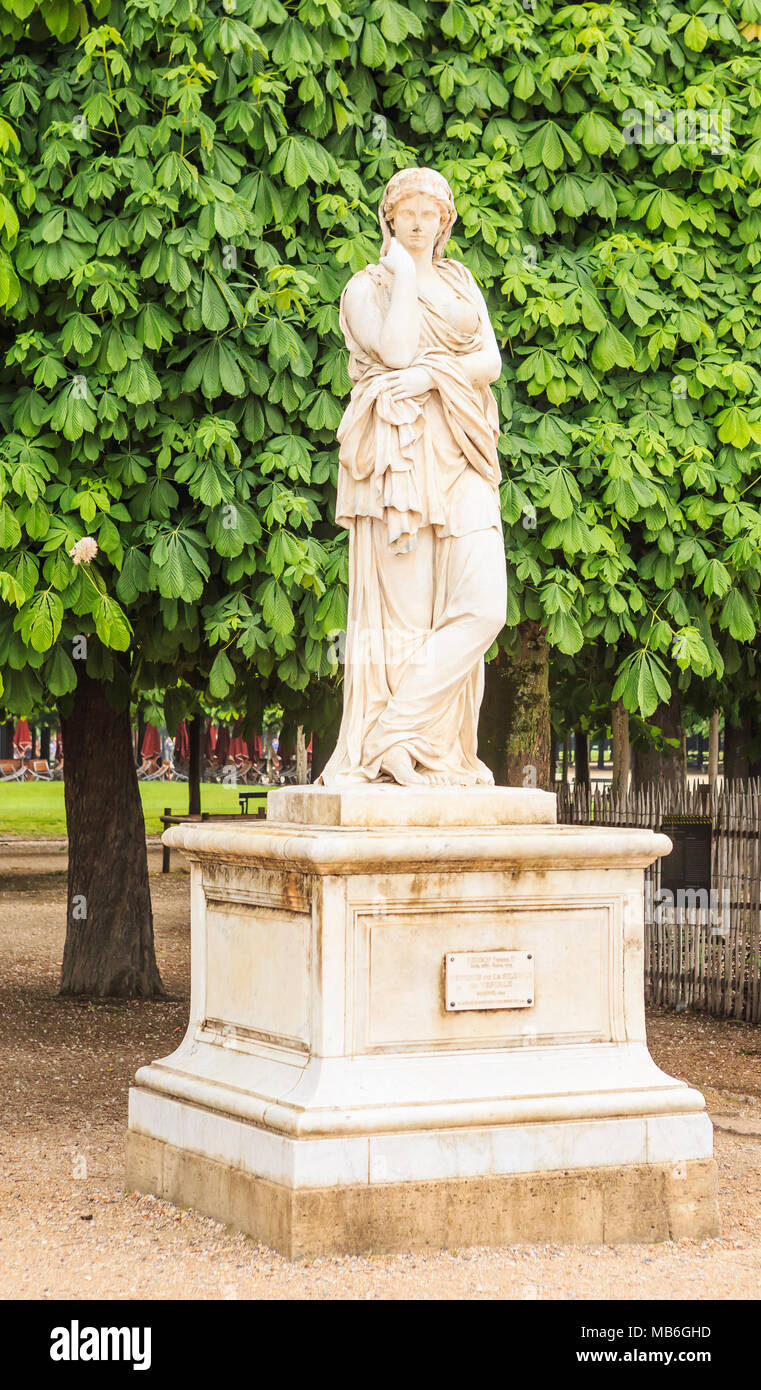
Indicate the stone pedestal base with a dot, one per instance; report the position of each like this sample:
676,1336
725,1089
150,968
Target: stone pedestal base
332,1095
594,1206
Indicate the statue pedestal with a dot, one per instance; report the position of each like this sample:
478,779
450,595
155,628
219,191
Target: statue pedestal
332,1094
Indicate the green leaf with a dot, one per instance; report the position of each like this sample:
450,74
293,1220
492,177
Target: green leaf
690,652
134,578
10,531
292,45
23,569
276,608
373,47
597,135
642,683
230,374
612,349
563,631
696,34
221,676
138,382
714,576
57,570
540,219
233,527
111,624
324,413
736,617
214,311
179,565
59,672
563,494
524,85
37,521
39,621
545,148
293,161
733,427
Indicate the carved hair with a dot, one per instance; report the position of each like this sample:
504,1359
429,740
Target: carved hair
405,184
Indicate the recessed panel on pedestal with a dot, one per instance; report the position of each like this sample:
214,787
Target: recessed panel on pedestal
257,971
401,975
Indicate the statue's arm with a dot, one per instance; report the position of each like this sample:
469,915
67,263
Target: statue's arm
484,366
393,337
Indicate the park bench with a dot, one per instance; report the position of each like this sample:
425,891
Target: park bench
25,770
11,771
155,769
39,770
169,819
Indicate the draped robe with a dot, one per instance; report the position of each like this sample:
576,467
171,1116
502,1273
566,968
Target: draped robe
414,475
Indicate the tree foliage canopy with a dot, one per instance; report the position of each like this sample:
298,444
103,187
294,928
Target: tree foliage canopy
183,193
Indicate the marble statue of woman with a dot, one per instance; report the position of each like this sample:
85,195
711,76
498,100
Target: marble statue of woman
418,489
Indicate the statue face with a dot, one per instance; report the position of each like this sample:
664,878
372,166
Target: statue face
416,222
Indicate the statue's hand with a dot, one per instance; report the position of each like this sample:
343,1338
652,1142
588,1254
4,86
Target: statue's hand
397,260
402,385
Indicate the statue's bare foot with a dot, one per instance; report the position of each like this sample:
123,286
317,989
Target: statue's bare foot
398,764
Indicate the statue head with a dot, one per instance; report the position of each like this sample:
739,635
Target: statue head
426,189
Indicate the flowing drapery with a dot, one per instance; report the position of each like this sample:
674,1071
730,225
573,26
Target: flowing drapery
418,479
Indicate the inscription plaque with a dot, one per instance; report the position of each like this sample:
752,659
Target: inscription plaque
489,980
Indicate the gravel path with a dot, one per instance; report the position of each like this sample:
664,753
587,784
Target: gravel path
67,1229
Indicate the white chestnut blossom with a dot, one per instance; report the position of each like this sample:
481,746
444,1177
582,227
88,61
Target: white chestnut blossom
84,550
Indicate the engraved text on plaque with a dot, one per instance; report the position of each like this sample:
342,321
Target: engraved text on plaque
489,980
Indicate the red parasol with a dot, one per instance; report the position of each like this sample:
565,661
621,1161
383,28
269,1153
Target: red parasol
181,743
151,745
210,742
22,739
238,749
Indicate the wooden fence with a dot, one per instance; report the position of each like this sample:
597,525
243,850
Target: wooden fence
702,944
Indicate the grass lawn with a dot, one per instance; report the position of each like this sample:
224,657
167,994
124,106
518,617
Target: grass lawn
36,808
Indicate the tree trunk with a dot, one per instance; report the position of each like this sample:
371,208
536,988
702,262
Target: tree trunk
141,723
553,760
663,768
301,756
6,739
195,729
735,749
621,758
713,749
45,742
514,728
581,758
564,761
739,761
319,758
601,752
109,946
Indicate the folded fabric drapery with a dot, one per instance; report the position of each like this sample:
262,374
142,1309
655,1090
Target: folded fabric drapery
418,488
396,462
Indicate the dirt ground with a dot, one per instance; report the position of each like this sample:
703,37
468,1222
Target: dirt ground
69,1230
